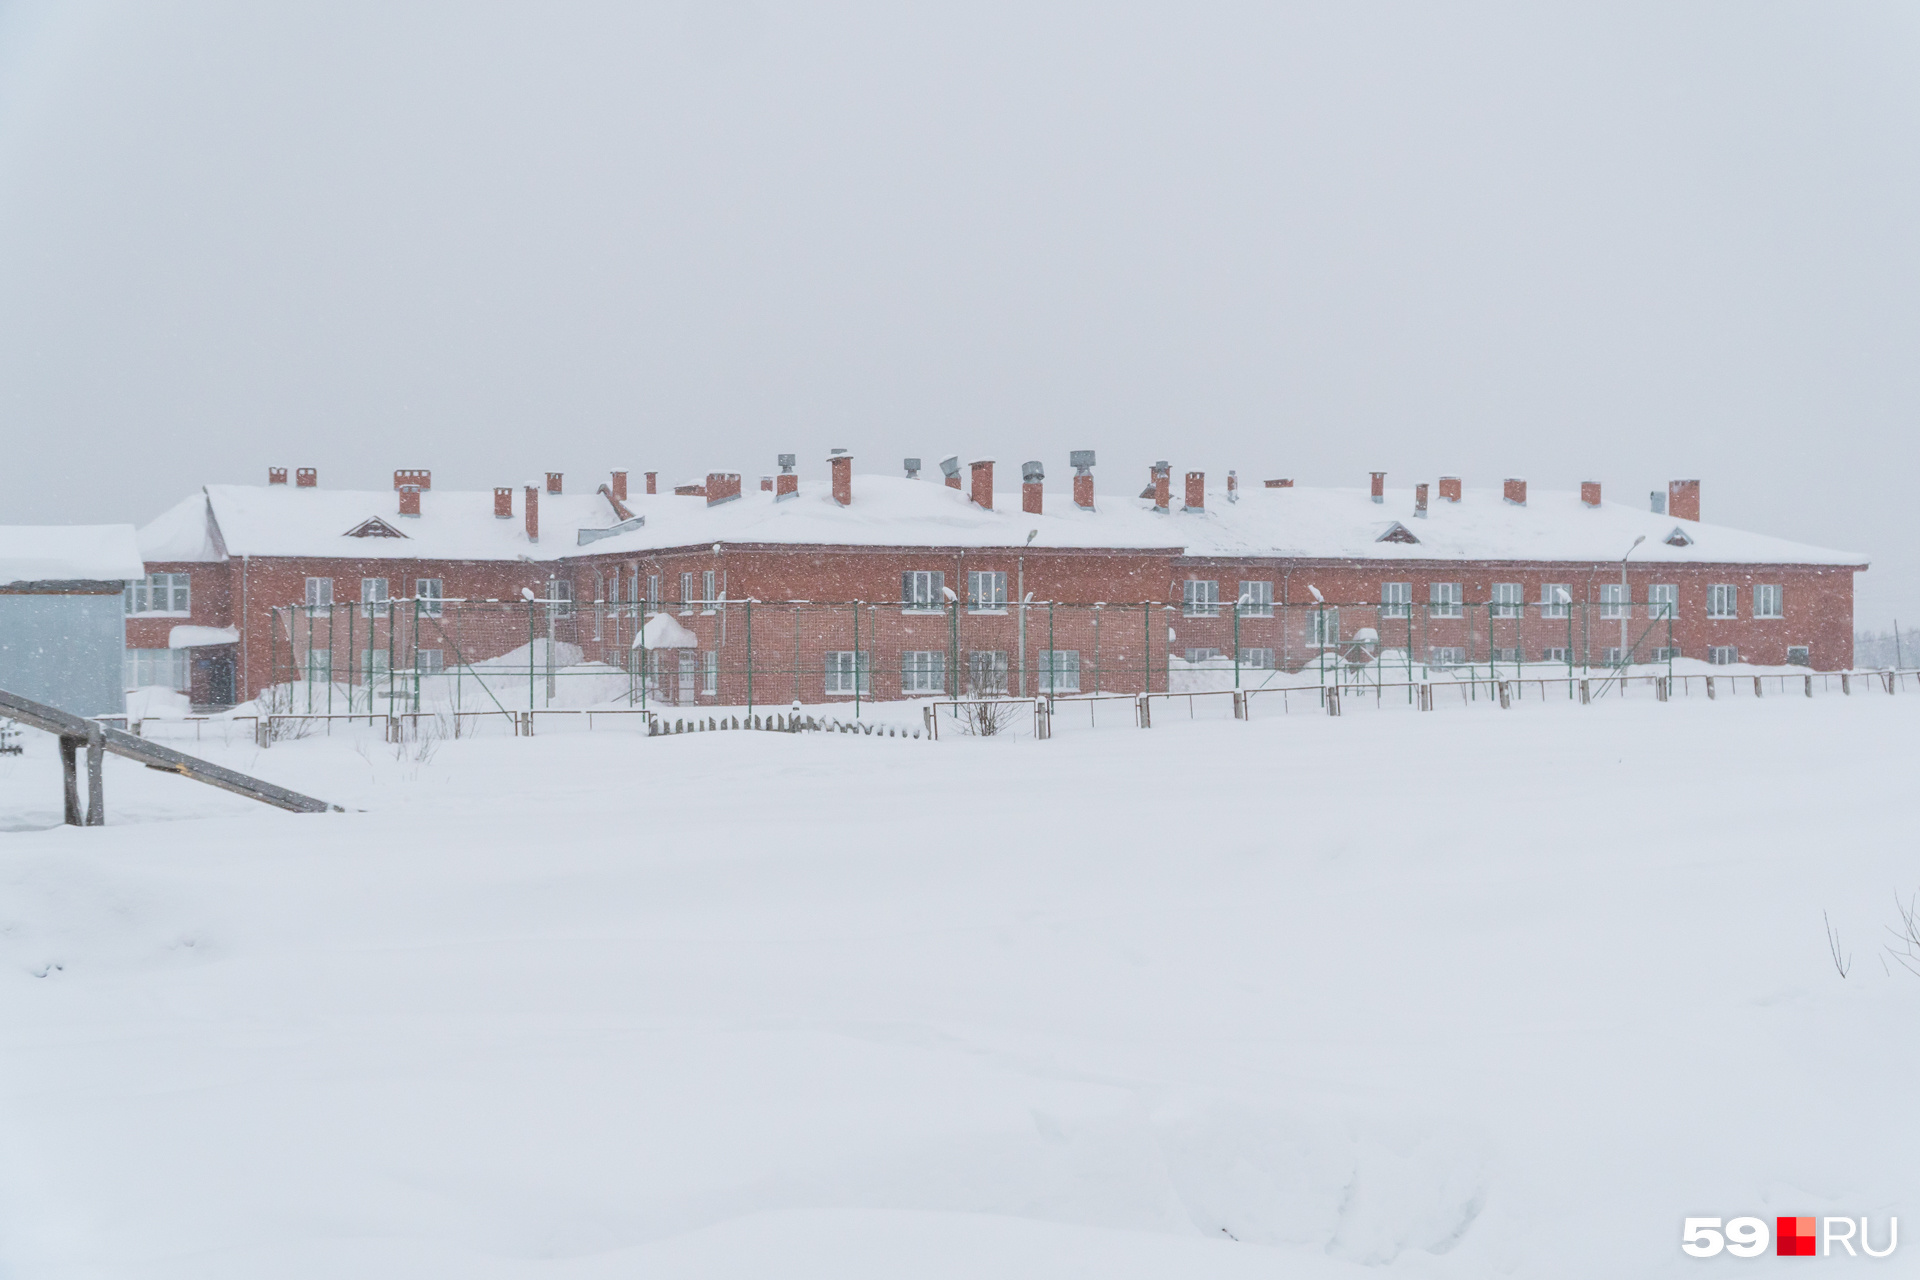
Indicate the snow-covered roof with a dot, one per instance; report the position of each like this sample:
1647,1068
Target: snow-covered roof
192,637
68,553
893,511
181,532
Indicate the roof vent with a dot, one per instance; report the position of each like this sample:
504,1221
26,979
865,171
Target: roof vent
950,468
912,466
1678,538
1657,502
1397,532
374,527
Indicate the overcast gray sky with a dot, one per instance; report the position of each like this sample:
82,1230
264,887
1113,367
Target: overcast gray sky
1627,242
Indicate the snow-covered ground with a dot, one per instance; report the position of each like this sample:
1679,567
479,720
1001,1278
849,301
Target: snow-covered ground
1471,993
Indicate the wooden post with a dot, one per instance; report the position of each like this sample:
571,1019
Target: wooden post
96,783
1757,692
1710,693
1586,693
1846,685
69,772
1809,680
1505,702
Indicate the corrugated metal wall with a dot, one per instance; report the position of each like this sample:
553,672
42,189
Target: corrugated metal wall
66,650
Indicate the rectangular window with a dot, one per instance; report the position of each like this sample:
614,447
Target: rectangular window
987,673
375,664
1323,626
1396,599
1663,600
986,590
1512,655
923,590
1665,655
316,664
319,595
1766,602
1260,659
1723,600
1059,671
841,671
1256,599
653,588
373,598
1508,602
1202,655
1444,655
923,671
1443,600
1723,655
686,593
159,593
1201,599
707,592
431,591
156,669
427,662
1555,598
710,673
1554,655
1614,601
560,597
1799,655
1612,655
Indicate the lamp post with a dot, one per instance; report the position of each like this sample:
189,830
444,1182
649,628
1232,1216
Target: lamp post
1626,600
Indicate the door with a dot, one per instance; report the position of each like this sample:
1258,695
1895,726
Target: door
689,673
220,678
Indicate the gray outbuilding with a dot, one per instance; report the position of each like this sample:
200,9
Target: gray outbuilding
63,622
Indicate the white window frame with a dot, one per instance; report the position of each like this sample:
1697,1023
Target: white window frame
986,591
1663,600
1446,655
560,597
1258,597
1616,600
997,673
1059,671
319,596
1258,659
709,590
431,592
1200,598
174,591
840,668
1516,654
1806,655
1444,600
686,592
1723,601
1323,626
710,672
1769,601
375,597
430,662
1723,655
157,669
1396,599
1556,654
923,671
1509,599
653,588
1551,605
923,590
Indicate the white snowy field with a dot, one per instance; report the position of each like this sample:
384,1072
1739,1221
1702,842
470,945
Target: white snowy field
1459,994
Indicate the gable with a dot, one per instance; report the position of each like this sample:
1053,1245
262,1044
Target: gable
1398,532
1678,538
373,527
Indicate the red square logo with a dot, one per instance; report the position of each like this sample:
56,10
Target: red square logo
1793,1237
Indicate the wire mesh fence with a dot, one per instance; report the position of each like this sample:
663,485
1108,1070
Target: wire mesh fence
503,658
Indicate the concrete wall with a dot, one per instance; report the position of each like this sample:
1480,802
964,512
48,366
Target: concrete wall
66,650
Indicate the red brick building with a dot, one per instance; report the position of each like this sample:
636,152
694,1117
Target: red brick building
884,586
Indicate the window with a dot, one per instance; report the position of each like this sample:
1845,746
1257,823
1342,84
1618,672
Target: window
1665,655
653,588
1443,600
1513,655
1443,655
320,595
373,598
1723,655
1508,602
987,673
427,662
1201,599
710,673
1323,626
156,668
158,593
707,594
1614,601
316,664
923,671
375,666
1555,599
986,590
431,591
841,668
923,589
1766,602
559,597
1258,658
1059,671
1259,599
1396,599
1798,655
1612,656
1555,655
1723,600
1663,600
1202,655
686,593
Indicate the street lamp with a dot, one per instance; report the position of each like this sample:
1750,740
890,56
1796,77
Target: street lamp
1626,599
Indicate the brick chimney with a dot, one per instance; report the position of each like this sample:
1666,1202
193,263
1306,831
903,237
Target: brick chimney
410,500
276,475
842,464
653,482
766,484
503,502
1449,488
422,480
787,483
1233,486
912,467
950,468
1196,491
722,486
1379,485
306,478
1162,486
982,477
1515,491
619,486
1683,499
533,513
1032,484
1279,484
553,482
1420,500
1082,460
1590,492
